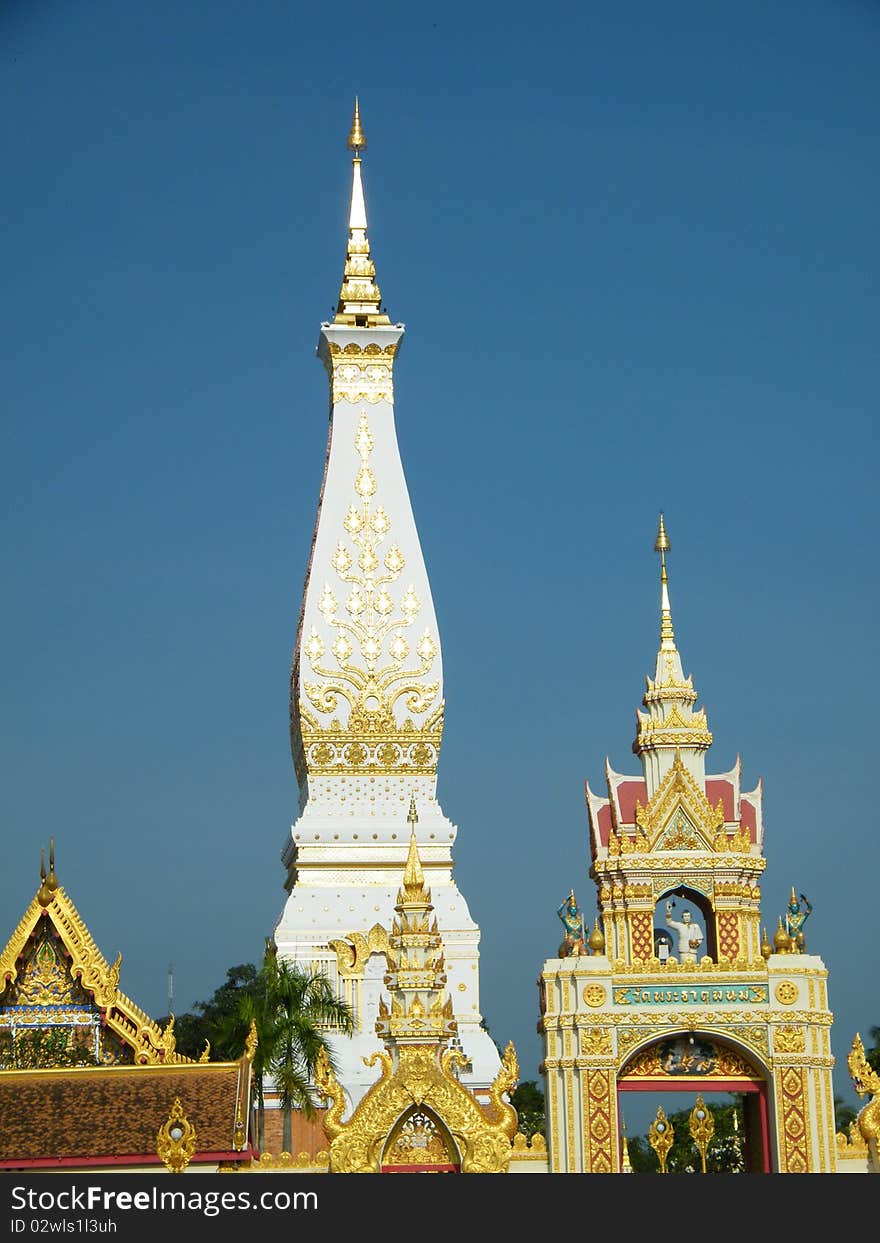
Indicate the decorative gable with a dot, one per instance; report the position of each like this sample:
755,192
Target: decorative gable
679,816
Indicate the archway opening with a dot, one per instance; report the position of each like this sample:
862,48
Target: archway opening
420,1143
664,1084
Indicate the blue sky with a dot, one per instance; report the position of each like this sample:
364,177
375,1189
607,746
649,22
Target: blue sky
635,248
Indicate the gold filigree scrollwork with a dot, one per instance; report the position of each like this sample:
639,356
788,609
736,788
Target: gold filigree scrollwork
597,1041
701,1124
789,1039
176,1140
481,1134
381,659
661,1137
360,374
791,1098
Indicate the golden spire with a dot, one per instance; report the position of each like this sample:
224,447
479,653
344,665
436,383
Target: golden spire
625,1167
359,298
413,876
662,545
420,1009
671,721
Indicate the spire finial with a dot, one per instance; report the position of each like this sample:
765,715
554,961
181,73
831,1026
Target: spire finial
360,302
413,877
46,889
662,545
356,140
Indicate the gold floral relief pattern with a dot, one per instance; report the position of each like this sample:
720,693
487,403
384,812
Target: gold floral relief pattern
598,1133
378,657
597,1042
360,374
793,1128
789,1039
420,1139
677,1055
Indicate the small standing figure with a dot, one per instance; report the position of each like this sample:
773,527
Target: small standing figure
690,936
574,942
795,918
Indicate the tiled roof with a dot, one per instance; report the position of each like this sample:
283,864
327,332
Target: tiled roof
111,1115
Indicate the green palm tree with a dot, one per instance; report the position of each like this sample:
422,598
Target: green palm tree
293,1010
303,1008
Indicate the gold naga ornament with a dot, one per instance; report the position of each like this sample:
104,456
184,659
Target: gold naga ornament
866,1080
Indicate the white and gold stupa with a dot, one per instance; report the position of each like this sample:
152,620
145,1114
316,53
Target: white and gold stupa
366,696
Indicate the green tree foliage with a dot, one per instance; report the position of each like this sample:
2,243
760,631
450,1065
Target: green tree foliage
207,1019
294,1012
528,1101
44,1048
723,1156
844,1114
303,1009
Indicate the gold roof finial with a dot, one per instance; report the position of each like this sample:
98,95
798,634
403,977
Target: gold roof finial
356,140
45,891
52,879
662,545
413,876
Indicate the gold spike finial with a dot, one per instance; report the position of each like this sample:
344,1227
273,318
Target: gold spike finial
356,140
662,545
413,877
52,879
45,891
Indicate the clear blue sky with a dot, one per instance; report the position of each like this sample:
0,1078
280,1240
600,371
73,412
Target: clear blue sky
635,248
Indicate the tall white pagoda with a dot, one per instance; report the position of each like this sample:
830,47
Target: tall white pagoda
366,697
